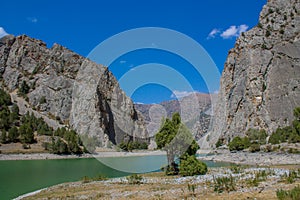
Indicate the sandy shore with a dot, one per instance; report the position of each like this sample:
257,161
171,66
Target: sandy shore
45,156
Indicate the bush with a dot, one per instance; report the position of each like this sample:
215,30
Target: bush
134,179
219,143
254,147
238,144
191,166
258,136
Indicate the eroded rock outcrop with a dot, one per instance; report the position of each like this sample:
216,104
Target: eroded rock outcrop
260,84
71,89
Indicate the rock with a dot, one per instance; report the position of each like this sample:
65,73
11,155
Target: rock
68,88
260,83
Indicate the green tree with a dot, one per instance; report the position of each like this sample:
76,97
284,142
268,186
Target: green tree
175,138
13,134
26,133
3,137
4,98
24,89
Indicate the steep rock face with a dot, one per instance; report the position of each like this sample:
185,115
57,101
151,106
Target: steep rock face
69,88
260,84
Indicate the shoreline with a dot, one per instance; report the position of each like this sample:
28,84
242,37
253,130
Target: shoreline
254,159
243,158
49,156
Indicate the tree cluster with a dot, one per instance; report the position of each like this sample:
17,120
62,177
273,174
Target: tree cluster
290,134
254,138
132,145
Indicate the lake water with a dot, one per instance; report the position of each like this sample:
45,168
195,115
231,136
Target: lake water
23,176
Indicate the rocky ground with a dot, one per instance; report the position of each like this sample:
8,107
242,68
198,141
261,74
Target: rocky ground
257,159
248,183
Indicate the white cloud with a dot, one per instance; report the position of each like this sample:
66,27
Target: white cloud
32,19
2,32
179,94
234,31
213,33
122,61
243,28
230,32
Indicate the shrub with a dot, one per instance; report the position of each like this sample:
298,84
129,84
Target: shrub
219,143
258,136
239,144
191,166
254,147
134,179
222,184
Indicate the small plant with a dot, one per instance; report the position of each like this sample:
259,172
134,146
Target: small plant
293,194
222,184
86,179
134,179
43,100
219,142
289,177
236,169
99,177
254,148
268,33
192,188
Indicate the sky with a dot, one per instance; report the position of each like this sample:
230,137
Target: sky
82,25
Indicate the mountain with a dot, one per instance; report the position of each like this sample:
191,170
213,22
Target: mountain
260,83
69,90
194,110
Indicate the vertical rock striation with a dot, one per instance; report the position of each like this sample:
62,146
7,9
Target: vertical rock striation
260,84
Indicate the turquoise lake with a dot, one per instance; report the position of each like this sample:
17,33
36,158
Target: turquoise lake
23,176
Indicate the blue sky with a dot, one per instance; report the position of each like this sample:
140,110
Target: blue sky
82,25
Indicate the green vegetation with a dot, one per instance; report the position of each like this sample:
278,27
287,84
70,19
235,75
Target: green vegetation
176,139
134,179
222,184
24,88
219,142
16,128
238,144
131,145
293,194
290,177
290,134
99,177
191,166
67,142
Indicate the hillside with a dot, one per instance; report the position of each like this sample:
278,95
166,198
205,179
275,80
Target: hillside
67,90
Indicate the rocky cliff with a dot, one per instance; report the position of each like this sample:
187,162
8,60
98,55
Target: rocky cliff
260,84
66,87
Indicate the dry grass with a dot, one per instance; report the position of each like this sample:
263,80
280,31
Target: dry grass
160,189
